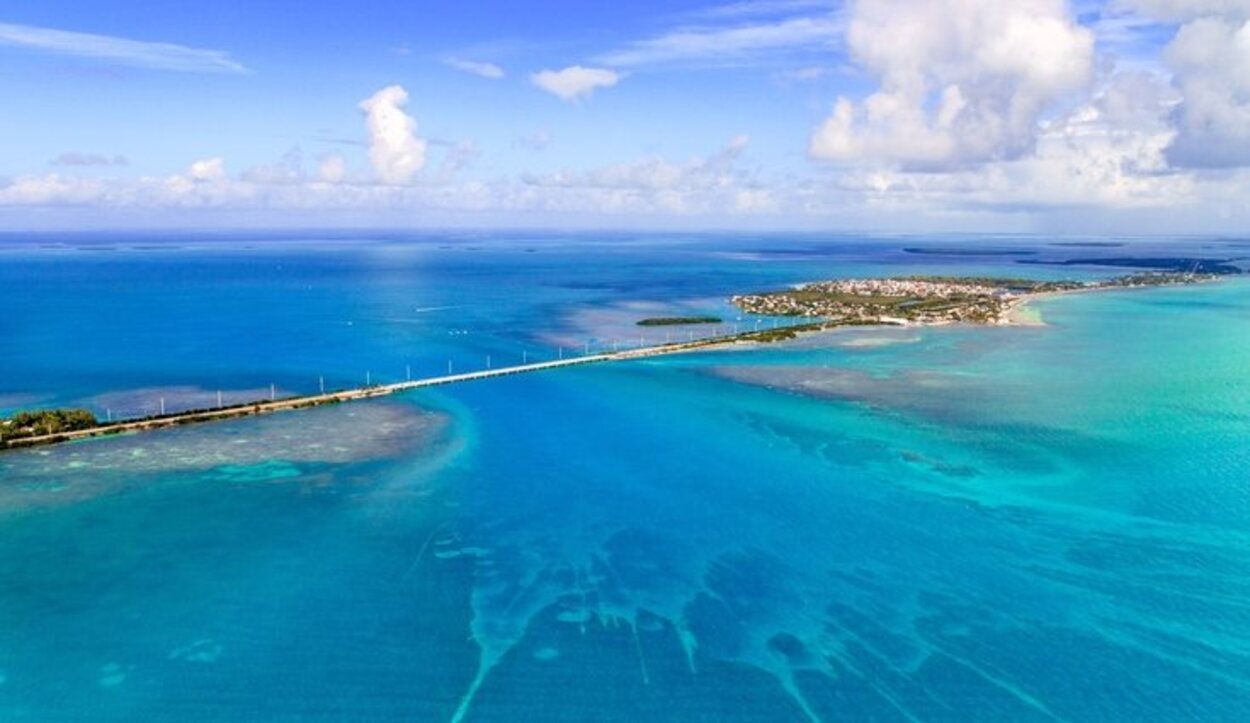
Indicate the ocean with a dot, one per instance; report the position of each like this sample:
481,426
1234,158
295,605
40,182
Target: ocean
1037,522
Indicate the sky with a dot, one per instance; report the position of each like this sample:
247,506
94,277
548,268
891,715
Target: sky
1093,116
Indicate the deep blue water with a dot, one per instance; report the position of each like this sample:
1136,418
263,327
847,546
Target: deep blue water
1024,523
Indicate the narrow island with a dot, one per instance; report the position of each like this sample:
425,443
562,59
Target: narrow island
812,307
679,320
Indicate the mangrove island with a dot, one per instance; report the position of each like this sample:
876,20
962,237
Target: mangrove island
679,320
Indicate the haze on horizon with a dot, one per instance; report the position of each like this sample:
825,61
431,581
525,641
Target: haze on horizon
1093,116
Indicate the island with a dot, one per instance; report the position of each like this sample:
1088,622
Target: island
929,300
46,422
679,320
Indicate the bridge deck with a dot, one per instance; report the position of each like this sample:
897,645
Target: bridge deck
369,392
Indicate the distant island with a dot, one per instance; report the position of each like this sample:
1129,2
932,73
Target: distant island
1164,264
679,320
930,299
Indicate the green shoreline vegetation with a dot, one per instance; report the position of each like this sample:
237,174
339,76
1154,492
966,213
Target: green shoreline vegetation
42,422
679,320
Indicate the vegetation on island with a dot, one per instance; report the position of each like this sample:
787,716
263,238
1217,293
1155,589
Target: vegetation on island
679,320
44,422
929,299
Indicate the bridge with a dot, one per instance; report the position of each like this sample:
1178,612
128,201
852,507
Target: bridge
249,409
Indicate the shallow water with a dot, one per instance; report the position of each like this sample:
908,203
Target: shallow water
939,524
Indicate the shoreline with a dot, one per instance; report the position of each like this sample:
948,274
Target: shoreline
1020,304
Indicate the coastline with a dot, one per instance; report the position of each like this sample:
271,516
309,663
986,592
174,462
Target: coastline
1019,313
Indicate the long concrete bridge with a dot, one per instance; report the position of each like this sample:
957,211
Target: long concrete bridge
177,419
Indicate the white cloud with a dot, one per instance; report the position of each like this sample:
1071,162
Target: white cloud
712,186
1107,154
475,67
961,81
331,168
702,185
728,43
1088,166
394,147
162,56
207,170
575,81
1210,59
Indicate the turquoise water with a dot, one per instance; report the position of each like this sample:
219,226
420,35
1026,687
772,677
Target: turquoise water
918,525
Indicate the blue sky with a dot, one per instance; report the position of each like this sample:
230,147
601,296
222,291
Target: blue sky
876,114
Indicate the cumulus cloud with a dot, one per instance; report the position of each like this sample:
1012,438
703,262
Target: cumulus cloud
1210,60
1105,156
395,150
76,158
475,67
575,81
123,51
961,81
